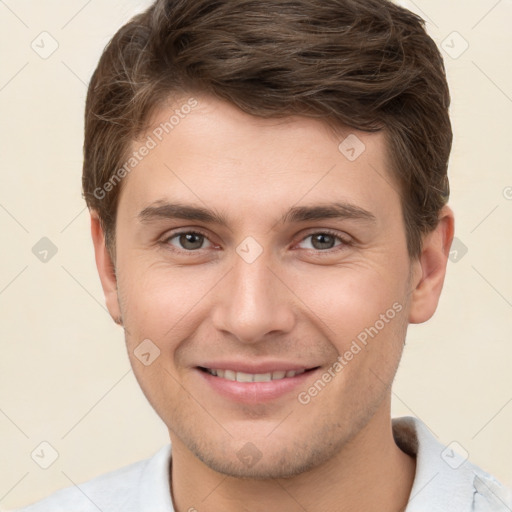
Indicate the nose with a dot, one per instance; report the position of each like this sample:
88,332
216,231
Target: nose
253,302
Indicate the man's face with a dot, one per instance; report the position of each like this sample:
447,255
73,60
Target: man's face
276,287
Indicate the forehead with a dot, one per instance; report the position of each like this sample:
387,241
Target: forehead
204,150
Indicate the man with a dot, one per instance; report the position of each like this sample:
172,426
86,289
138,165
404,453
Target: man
267,182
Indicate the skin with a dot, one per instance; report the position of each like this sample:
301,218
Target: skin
298,302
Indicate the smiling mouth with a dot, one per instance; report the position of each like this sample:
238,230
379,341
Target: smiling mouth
233,375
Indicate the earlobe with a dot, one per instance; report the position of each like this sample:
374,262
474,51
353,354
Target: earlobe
431,269
106,269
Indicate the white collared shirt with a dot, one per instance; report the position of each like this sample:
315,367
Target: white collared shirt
444,482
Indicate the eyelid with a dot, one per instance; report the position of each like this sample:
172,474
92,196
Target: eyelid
345,240
173,234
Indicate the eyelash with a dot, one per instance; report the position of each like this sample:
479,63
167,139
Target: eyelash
344,242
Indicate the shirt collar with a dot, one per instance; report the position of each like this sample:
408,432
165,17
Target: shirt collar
154,485
444,478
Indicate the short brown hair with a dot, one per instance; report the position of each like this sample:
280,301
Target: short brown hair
365,64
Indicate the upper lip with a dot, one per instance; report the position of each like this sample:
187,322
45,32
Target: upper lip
263,367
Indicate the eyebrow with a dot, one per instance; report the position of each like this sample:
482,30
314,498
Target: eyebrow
296,214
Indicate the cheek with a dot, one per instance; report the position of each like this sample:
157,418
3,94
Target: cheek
163,302
347,299
361,311
159,302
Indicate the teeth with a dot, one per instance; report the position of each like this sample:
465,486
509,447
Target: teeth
262,377
244,377
253,377
229,374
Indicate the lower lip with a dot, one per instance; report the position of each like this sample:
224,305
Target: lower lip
256,392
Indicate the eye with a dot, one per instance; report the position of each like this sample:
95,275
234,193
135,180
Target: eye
324,240
187,240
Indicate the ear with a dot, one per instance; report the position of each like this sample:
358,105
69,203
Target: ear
430,268
106,269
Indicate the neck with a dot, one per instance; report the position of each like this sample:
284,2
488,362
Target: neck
368,473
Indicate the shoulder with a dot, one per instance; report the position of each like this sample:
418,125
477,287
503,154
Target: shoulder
117,490
489,493
445,479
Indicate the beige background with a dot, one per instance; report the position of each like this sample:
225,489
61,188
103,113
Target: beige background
64,373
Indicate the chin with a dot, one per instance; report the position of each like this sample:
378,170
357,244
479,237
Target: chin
264,459
280,465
